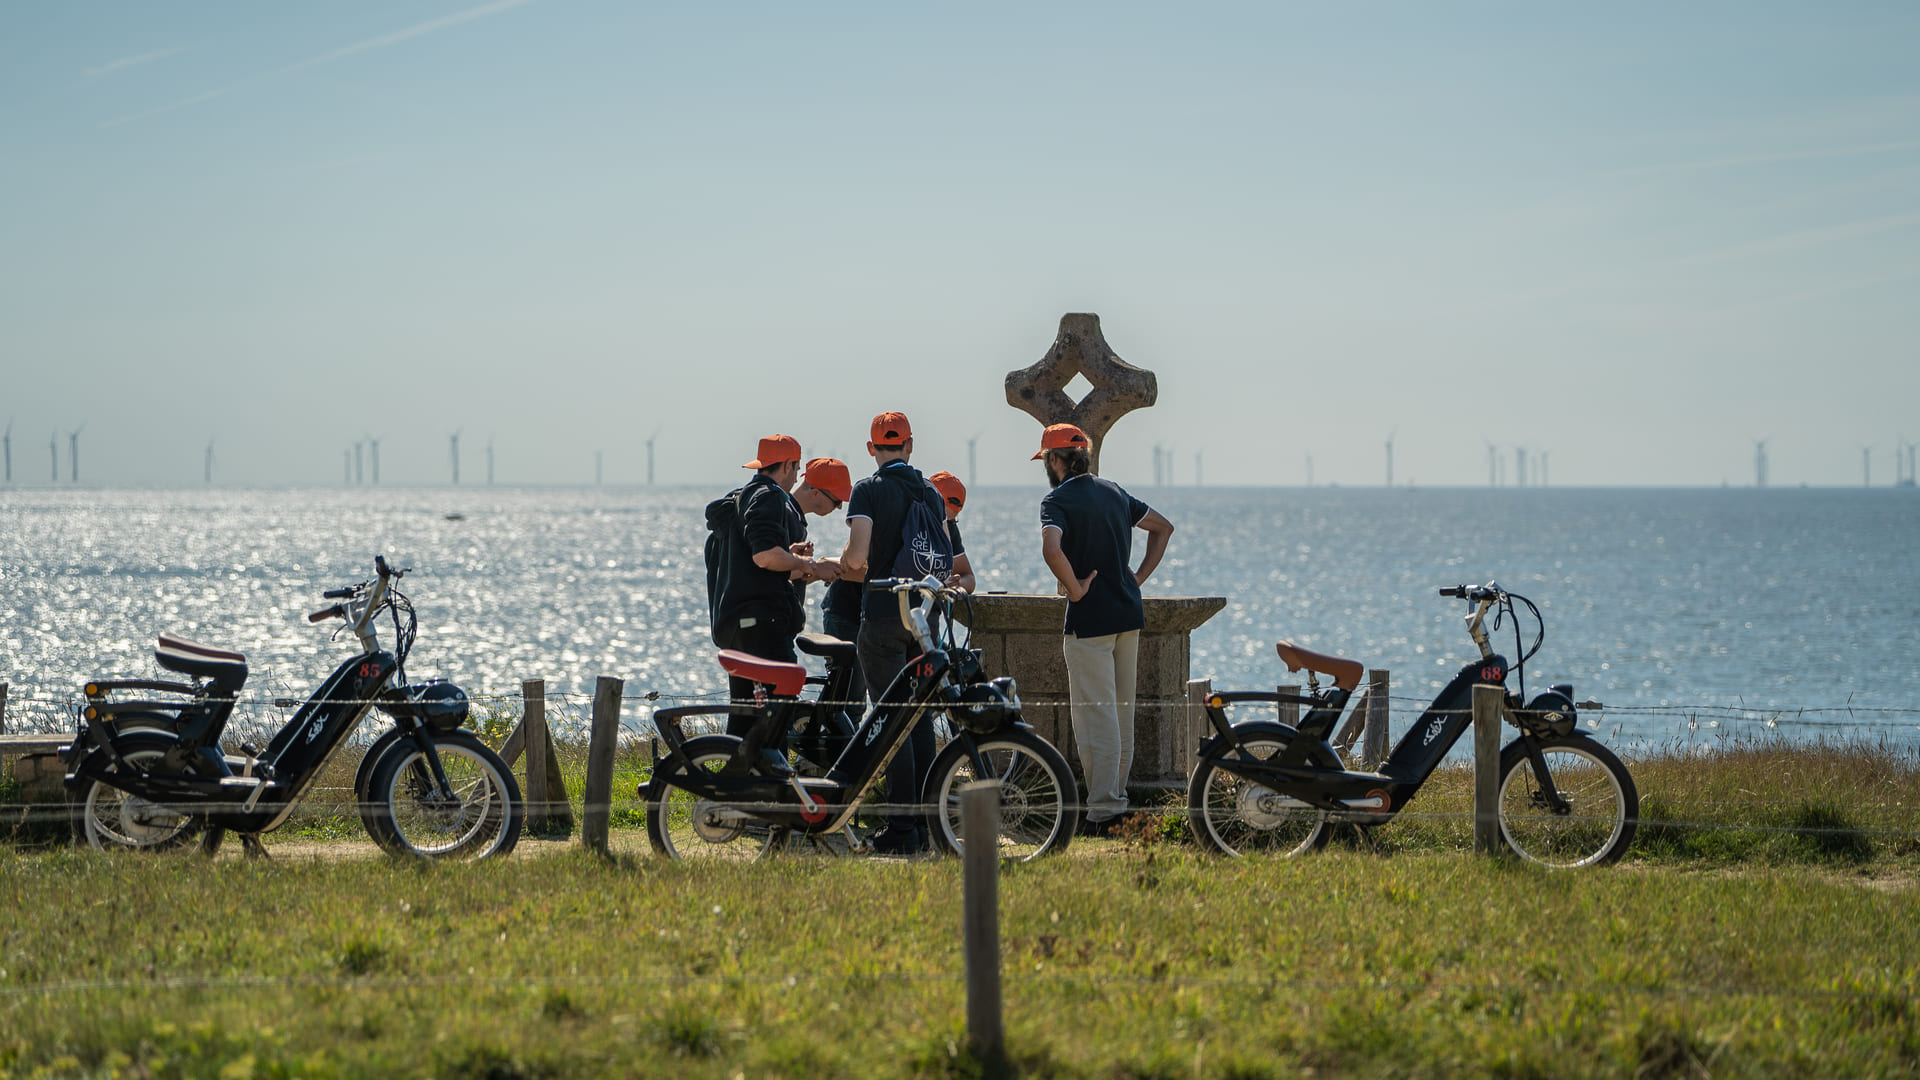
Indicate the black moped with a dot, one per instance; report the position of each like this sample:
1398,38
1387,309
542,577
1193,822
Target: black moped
149,773
1266,787
722,797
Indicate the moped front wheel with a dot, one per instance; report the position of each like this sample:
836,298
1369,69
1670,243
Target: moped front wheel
1237,816
1039,804
1592,815
407,815
682,825
115,820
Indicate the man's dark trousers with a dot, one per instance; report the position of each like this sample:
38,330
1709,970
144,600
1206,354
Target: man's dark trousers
766,639
884,650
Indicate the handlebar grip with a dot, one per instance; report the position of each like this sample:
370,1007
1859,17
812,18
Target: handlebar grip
1457,590
337,594
334,612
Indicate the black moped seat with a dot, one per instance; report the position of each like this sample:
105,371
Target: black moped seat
226,668
835,650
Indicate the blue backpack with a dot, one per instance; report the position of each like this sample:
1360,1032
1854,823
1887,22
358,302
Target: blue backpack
924,546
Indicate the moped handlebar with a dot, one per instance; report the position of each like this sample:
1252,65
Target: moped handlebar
339,594
1489,591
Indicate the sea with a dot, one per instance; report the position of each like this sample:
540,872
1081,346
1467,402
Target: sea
1691,615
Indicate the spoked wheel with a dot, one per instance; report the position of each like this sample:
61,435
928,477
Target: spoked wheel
114,820
1590,823
409,817
1237,816
682,825
1039,804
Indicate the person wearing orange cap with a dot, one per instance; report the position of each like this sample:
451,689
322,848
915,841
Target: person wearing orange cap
1086,538
879,513
954,494
759,562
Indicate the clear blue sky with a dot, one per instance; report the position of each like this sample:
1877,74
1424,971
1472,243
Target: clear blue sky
1636,236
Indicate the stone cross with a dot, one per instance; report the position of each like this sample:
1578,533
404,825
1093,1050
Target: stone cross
1118,387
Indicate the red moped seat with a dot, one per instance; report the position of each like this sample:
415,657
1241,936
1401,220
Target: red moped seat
1346,673
786,679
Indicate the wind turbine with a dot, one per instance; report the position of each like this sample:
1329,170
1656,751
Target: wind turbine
1543,466
970,445
1490,462
1309,470
73,452
1390,436
1519,466
359,462
1760,461
1197,474
489,459
596,468
650,438
6,442
454,442
374,444
209,462
1866,466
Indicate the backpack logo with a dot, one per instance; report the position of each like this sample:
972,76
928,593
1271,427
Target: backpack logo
925,549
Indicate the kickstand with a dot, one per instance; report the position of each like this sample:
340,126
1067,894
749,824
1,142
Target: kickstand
250,844
1365,834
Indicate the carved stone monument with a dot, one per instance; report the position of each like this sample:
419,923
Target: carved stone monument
1040,391
1020,635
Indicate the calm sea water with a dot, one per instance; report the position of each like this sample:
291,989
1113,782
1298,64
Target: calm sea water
1690,613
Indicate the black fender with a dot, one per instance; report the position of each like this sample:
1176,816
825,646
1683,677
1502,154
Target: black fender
1218,745
364,775
97,760
679,760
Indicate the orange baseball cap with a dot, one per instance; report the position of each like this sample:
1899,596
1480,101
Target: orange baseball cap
830,475
891,429
775,450
951,489
1062,437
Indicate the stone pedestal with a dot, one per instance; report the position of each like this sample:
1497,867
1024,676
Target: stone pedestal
1019,635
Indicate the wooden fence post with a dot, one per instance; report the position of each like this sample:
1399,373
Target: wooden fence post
1488,702
596,820
1198,729
1373,738
980,919
3,708
533,721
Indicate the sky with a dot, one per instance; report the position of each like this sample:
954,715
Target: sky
1633,238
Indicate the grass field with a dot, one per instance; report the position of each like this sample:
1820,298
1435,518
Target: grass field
1764,926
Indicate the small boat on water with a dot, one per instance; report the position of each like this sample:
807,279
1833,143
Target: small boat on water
455,516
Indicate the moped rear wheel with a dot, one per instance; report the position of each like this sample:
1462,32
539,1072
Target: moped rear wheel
408,817
682,825
1598,809
115,820
1039,804
1236,816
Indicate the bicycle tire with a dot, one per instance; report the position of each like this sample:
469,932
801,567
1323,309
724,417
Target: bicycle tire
1598,826
1236,816
1039,804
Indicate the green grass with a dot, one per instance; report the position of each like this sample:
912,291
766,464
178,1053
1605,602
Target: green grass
1129,961
1763,925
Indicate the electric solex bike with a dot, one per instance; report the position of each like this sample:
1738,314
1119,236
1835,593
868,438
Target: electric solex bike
149,774
1267,787
726,797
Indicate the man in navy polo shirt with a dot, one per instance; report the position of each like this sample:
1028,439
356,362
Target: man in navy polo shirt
1086,536
875,517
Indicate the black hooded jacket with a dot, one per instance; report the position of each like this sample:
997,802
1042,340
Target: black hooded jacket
745,520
